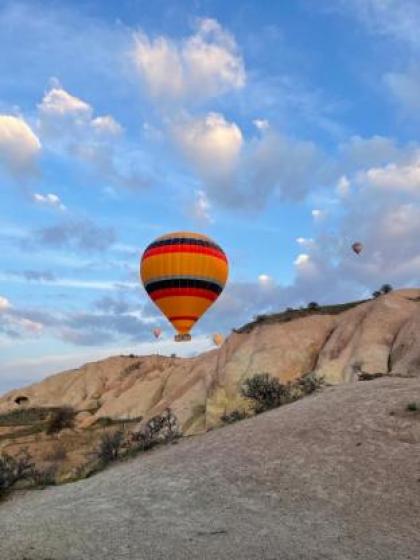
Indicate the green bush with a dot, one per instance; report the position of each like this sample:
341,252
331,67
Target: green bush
308,383
413,407
233,416
265,392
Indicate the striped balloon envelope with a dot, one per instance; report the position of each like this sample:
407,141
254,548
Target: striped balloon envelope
183,273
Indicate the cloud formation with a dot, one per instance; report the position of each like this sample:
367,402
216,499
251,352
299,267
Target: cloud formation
204,65
76,235
52,200
19,146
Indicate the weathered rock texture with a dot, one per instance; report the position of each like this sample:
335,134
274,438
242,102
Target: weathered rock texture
334,476
378,336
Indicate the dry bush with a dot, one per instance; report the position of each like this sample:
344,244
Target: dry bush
234,416
15,469
56,453
109,447
60,419
159,429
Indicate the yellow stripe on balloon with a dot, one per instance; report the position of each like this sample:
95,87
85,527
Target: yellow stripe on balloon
181,306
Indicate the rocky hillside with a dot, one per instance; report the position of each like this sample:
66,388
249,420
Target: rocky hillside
333,476
338,343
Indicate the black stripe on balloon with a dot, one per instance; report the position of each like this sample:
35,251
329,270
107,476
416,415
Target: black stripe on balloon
183,283
184,241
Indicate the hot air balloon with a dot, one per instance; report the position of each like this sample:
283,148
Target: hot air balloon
157,332
218,339
183,273
357,247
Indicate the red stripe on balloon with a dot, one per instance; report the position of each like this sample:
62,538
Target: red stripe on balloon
196,249
195,292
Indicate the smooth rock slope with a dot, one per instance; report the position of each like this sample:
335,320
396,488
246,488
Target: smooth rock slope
334,476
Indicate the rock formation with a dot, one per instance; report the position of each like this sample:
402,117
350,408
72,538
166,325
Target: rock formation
377,336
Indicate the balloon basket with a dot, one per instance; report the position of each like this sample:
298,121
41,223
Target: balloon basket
182,337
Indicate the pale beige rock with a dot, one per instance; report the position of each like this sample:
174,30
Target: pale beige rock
379,336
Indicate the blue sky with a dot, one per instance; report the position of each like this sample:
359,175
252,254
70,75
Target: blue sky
283,130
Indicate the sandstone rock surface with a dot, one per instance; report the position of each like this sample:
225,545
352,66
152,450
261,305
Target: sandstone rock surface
334,476
378,336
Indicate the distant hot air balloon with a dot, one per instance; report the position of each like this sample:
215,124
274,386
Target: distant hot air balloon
218,339
183,273
157,332
357,247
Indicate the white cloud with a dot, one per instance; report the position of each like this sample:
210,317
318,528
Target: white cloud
204,65
106,125
4,304
68,126
202,207
19,146
264,279
59,102
210,143
27,325
261,124
51,200
319,215
305,242
366,152
399,177
343,186
301,260
398,19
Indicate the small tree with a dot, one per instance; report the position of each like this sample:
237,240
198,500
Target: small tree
376,294
386,288
313,305
265,391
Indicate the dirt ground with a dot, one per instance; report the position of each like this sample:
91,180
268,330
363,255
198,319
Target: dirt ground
334,476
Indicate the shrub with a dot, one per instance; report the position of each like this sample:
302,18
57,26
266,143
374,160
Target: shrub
14,469
56,453
308,383
386,288
45,477
313,305
109,447
376,294
413,407
159,429
233,416
265,391
60,419
364,376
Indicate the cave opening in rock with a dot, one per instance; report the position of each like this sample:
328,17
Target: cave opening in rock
21,400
